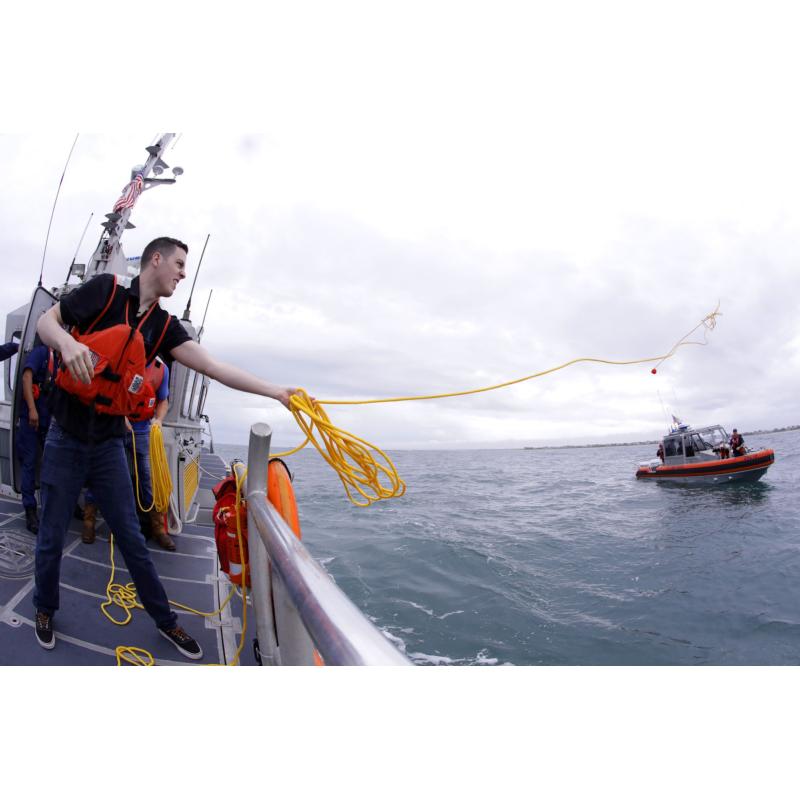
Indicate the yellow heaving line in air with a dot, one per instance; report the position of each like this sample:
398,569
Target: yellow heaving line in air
352,458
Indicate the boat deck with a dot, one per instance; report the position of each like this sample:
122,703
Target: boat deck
84,635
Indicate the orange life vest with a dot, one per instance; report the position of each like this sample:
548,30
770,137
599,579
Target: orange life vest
146,407
119,359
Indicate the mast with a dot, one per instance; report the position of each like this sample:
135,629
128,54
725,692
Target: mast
108,256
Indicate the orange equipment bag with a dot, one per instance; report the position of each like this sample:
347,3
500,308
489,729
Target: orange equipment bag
231,556
119,359
233,559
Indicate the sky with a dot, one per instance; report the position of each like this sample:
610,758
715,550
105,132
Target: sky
412,208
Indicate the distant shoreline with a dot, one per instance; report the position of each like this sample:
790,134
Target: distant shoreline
647,441
510,446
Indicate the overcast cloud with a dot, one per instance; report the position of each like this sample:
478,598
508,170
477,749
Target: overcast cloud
427,214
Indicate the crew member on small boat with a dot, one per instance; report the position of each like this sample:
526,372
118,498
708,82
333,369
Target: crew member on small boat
38,374
737,444
138,438
660,451
85,443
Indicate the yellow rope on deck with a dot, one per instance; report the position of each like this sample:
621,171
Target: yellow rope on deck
125,598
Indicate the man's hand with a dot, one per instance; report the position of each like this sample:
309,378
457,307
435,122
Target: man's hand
284,395
33,418
77,358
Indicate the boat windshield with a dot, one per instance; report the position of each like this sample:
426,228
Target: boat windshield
714,435
699,443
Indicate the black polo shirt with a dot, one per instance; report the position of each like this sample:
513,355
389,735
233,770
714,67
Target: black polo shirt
80,308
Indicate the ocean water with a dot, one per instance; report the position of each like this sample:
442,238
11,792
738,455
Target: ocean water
560,557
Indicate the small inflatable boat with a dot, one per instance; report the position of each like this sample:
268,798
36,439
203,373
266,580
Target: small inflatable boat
702,456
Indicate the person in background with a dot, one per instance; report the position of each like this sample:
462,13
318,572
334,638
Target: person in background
89,518
737,444
8,349
38,375
137,439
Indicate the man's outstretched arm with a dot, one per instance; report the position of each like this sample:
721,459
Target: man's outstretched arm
196,357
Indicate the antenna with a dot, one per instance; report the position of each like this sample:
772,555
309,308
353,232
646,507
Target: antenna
675,396
203,323
52,213
663,408
80,242
185,316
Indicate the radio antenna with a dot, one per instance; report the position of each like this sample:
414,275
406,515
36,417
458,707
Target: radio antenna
52,213
185,316
203,323
80,242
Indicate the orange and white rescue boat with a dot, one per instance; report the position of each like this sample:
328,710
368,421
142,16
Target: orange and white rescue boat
702,456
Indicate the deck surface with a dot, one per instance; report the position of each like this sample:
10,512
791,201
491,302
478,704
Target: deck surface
84,636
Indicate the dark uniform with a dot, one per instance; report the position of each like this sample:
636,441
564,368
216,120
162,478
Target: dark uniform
8,349
86,447
42,363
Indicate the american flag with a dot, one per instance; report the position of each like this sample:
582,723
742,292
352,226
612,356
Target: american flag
130,193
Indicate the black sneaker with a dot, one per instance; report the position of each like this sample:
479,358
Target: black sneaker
44,630
188,646
32,520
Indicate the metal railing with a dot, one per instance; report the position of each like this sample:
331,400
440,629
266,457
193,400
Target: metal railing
298,607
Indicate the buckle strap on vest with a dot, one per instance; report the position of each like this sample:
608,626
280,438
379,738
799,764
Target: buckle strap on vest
152,354
107,305
158,343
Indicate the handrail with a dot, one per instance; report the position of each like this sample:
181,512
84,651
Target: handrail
339,630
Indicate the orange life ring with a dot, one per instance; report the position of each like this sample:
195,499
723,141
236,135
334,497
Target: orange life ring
281,494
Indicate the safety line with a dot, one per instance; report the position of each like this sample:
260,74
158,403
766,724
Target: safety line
366,470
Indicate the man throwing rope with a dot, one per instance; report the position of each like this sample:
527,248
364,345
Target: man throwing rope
85,441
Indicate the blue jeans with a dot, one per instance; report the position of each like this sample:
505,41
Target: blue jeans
67,465
142,465
28,443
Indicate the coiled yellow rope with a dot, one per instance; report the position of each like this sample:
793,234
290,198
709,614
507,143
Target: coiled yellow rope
352,457
160,478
